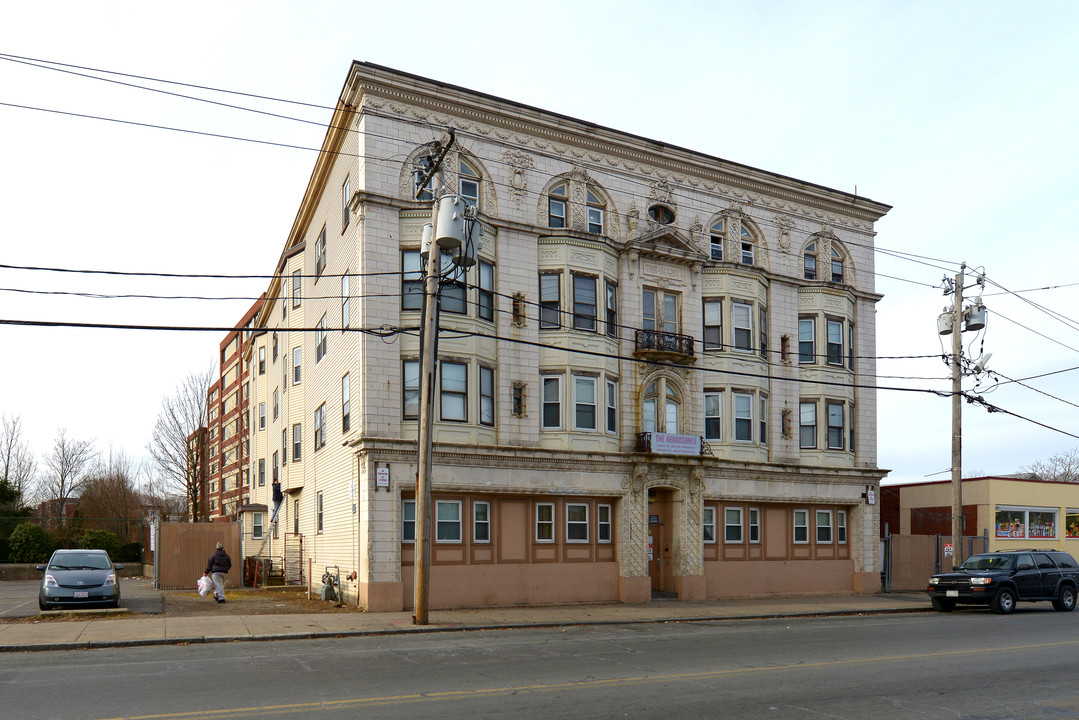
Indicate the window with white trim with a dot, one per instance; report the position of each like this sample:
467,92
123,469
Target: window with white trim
660,311
344,301
612,406
754,525
408,521
809,261
487,396
837,266
835,425
262,472
545,522
552,403
595,212
763,421
708,523
550,301
262,416
557,203
604,524
713,324
612,308
297,355
661,405
806,332
485,292
320,426
801,527
718,236
275,466
297,288
262,359
748,247
743,417
297,441
346,198
411,280
742,316
576,522
346,404
453,395
481,521
835,341
318,513
584,303
448,521
732,525
256,526
320,253
584,403
410,389
807,425
824,527
841,527
320,339
469,184
713,415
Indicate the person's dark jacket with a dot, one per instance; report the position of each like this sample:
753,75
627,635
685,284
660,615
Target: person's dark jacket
218,562
278,496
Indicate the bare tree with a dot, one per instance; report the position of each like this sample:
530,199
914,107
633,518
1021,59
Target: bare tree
176,448
67,467
1063,467
110,499
17,464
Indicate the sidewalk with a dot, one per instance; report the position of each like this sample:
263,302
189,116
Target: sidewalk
100,633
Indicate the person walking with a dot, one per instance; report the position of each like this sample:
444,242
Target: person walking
217,567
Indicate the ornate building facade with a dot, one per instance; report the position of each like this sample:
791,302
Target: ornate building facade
658,377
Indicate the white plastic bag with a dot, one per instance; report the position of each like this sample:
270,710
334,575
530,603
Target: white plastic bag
205,585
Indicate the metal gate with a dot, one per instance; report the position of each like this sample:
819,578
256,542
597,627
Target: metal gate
294,559
909,560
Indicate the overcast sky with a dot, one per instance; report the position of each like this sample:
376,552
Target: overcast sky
960,115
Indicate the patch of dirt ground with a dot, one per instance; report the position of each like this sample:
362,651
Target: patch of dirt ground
264,601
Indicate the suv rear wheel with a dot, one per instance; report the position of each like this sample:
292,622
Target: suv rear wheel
1004,601
1065,600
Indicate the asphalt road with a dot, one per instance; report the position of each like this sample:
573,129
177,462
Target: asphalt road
967,664
18,598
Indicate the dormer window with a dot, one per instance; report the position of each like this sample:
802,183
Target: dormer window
595,213
557,202
661,214
837,266
469,184
809,262
718,238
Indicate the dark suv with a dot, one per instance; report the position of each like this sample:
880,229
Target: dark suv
999,579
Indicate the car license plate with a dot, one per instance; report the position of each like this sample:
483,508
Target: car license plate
82,594
951,593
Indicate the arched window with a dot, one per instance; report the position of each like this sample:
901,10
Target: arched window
748,247
595,212
557,203
718,238
469,184
809,261
837,266
660,407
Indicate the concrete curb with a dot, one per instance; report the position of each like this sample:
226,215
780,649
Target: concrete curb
198,640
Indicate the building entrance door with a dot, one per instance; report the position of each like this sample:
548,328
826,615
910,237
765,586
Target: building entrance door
660,540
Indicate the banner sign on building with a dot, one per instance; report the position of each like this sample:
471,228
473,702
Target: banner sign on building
670,444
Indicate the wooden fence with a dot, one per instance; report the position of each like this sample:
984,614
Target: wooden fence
183,548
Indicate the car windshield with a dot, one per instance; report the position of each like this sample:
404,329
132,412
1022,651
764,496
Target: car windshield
80,561
988,562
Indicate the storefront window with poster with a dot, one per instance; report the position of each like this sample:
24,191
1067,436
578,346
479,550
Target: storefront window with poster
1028,523
1072,523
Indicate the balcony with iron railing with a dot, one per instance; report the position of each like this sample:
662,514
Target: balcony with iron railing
664,346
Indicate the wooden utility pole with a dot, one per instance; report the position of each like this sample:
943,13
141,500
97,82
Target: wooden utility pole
428,360
957,417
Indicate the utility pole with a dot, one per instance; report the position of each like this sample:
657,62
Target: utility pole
956,321
957,416
428,359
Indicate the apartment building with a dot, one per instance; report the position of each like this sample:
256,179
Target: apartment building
227,480
658,377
